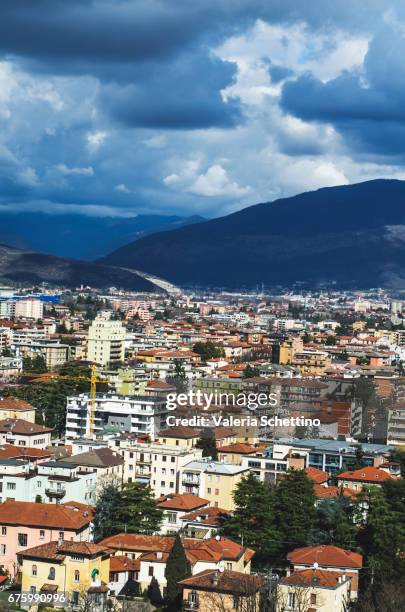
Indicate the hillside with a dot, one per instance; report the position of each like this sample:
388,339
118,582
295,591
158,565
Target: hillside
29,266
79,236
353,235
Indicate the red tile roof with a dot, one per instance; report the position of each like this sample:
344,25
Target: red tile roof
238,448
314,577
179,432
325,556
318,476
22,427
121,563
48,516
226,582
57,552
184,501
14,403
366,474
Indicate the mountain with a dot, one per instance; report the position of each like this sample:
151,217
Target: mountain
353,236
78,236
29,266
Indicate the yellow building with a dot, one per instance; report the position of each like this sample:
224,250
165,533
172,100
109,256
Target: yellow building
72,568
106,342
212,480
15,408
179,436
288,348
314,589
312,362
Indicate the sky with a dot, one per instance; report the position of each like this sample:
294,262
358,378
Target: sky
125,107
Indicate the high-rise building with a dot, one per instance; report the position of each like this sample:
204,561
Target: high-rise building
30,308
106,342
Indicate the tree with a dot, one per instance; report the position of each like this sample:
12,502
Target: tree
334,523
208,350
207,442
104,517
330,341
153,593
250,372
137,511
359,458
294,509
177,568
252,522
178,378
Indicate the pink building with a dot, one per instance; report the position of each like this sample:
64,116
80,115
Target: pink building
26,524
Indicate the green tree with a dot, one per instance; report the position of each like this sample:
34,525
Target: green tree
250,372
252,522
137,511
359,458
104,519
330,341
294,509
207,443
208,350
153,593
177,568
178,378
334,523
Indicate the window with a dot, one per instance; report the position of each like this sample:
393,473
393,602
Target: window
150,571
171,485
229,566
61,535
2,549
172,459
34,570
51,575
41,534
313,599
4,531
209,490
171,517
22,539
291,600
216,491
77,576
164,458
11,486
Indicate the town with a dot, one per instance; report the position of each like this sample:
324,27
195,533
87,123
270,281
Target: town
132,479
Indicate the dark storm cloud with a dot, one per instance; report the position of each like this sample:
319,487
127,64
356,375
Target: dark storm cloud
366,106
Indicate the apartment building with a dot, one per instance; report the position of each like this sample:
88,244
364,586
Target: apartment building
212,480
139,414
396,425
30,308
26,524
106,342
157,465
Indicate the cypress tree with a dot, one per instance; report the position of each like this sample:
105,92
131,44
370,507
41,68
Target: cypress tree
104,516
177,568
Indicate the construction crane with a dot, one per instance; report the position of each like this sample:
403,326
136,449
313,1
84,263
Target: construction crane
93,379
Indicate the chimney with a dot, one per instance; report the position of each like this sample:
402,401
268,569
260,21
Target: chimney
159,555
214,578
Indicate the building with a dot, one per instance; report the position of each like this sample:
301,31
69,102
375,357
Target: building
15,408
363,478
329,559
331,456
212,480
24,433
175,507
106,342
139,414
203,523
25,524
213,590
106,464
79,569
30,308
396,425
157,465
314,589
179,435
47,481
217,553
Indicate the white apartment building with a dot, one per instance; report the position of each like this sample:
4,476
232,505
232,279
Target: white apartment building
396,425
106,342
157,465
139,414
30,308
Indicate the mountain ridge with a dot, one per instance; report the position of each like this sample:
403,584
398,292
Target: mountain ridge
351,235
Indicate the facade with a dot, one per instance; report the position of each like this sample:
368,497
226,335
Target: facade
212,480
106,342
213,590
175,507
314,589
24,433
79,569
25,524
396,425
139,414
30,308
15,408
48,481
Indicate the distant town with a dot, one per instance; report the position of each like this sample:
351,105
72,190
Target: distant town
199,450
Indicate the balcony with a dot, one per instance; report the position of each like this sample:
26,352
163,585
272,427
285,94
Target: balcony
55,493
